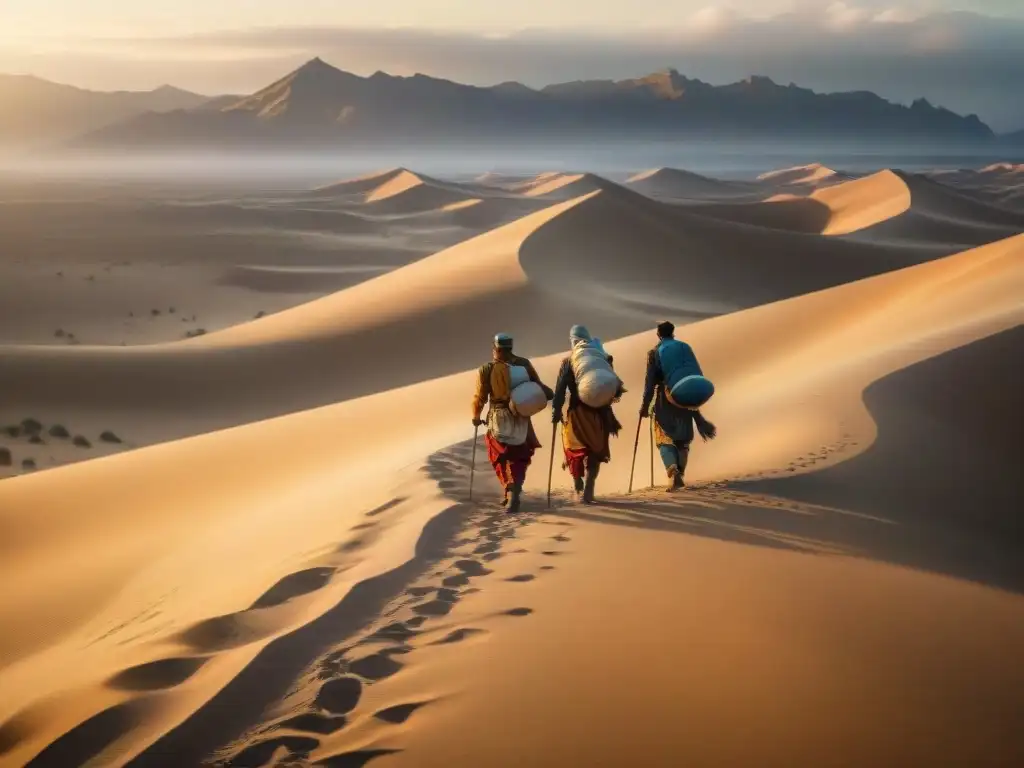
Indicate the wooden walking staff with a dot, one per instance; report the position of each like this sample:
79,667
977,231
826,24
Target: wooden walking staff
551,464
652,450
472,463
636,444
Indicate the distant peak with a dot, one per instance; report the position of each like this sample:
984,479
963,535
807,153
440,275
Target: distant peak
316,65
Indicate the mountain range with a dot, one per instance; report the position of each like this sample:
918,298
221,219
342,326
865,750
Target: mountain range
38,111
321,105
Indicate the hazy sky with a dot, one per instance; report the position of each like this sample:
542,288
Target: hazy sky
73,18
899,48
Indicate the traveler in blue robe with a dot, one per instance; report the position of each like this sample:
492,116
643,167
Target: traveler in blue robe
673,425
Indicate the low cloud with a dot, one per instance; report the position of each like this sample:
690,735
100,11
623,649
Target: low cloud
967,62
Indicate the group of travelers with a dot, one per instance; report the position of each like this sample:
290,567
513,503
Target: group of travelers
586,389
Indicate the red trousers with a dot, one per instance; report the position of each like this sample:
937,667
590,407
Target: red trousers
576,461
509,461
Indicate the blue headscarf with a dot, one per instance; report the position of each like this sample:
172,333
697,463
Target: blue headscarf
578,334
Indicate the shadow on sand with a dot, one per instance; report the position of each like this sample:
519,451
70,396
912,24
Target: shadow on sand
941,489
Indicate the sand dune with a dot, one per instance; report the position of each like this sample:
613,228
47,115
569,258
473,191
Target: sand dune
1004,169
888,206
675,184
937,212
505,180
362,185
962,619
397,192
1001,184
859,204
282,567
159,264
813,175
841,208
136,564
563,186
634,257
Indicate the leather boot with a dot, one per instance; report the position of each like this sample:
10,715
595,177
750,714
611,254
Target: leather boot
593,468
514,498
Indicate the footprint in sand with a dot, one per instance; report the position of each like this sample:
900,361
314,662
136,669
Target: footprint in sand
460,580
562,538
157,675
398,632
472,568
262,753
458,635
340,696
522,578
375,667
492,557
547,567
400,713
434,608
350,546
293,585
355,759
311,722
386,506
224,632
519,612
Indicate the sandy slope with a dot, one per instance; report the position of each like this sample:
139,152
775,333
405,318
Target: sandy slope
202,594
634,257
120,270
127,589
692,650
809,656
222,260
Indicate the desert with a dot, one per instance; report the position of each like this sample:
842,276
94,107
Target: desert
248,516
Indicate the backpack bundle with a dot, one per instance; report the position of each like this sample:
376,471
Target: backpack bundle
596,383
685,384
526,397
